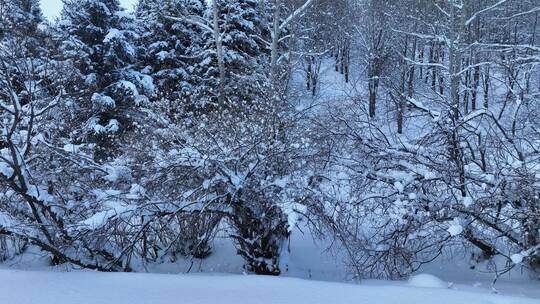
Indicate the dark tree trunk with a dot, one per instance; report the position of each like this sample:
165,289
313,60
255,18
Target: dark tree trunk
259,237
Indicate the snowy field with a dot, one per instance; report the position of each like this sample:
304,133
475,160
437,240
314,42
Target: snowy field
31,287
312,276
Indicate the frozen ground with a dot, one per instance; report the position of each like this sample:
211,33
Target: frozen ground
32,287
311,275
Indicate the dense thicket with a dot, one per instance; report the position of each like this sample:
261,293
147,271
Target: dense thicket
135,137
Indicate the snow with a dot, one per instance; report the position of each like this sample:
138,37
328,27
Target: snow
147,83
311,274
113,34
517,258
290,209
136,191
5,219
130,86
103,100
131,288
467,201
40,193
455,228
5,169
114,209
163,55
112,127
72,148
427,281
399,186
98,219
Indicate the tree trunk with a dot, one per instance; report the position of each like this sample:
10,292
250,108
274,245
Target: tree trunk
373,87
347,61
275,40
486,84
219,53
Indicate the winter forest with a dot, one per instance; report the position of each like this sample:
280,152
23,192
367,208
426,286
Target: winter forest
394,133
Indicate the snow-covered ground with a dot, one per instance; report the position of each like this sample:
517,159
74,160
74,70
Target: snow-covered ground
32,287
311,275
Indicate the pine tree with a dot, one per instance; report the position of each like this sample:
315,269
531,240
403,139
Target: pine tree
20,17
171,46
241,50
20,33
98,37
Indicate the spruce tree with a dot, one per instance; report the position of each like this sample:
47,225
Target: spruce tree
171,45
98,37
241,26
22,41
20,17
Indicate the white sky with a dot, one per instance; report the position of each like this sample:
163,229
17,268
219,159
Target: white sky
51,8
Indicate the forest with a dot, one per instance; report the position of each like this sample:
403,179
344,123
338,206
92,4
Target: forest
133,137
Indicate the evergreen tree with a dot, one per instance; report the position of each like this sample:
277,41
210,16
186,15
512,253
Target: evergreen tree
98,37
171,46
20,17
23,41
242,31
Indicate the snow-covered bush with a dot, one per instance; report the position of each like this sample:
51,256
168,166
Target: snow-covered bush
235,164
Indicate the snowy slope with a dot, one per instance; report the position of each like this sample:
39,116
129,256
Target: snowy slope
26,287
